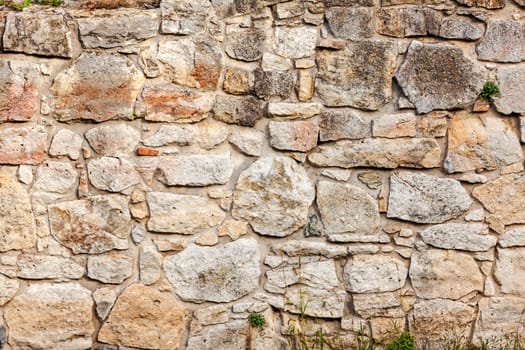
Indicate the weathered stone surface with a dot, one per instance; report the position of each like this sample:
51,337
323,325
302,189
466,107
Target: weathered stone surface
374,273
176,104
287,110
121,27
305,85
184,17
248,141
273,195
247,45
503,197
112,174
503,41
97,86
149,265
439,76
8,289
234,110
353,23
509,270
275,62
23,145
111,268
358,76
490,4
169,245
94,225
514,237
469,237
237,81
460,28
300,248
66,143
104,300
51,316
192,62
408,21
346,208
18,90
196,170
444,274
57,177
510,82
298,136
273,83
480,142
113,139
145,318
377,305
339,125
184,214
425,198
36,267
201,274
232,336
40,33
394,125
17,224
295,42
379,153
206,134
408,2
233,229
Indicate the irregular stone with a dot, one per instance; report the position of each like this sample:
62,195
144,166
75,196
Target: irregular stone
425,198
237,81
17,224
8,289
371,179
192,62
480,142
510,81
346,208
113,28
514,237
444,274
384,328
434,124
207,239
502,197
509,270
97,86
374,273
469,237
339,125
475,215
234,110
184,17
394,125
247,45
196,169
66,143
41,33
149,265
377,305
337,174
23,145
301,248
104,300
275,62
232,336
51,316
460,28
112,174
94,225
18,90
273,83
201,274
273,195
56,177
169,245
145,318
379,153
351,23
112,268
175,104
450,79
233,229
184,214
298,136
113,139
408,21
36,267
295,42
409,2
489,4
248,141
502,41
358,76
289,9
206,134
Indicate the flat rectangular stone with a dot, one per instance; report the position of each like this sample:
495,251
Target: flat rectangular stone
195,170
289,110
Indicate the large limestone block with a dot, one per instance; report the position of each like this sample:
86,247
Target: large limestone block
23,145
510,270
51,316
469,237
511,81
196,169
218,274
425,198
351,23
145,318
374,273
56,177
112,174
403,22
246,45
18,90
503,41
295,42
439,76
444,274
273,195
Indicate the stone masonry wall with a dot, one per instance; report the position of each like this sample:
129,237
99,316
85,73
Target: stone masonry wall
169,169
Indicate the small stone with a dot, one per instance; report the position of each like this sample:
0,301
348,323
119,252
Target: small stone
248,141
287,110
273,83
138,234
509,272
295,42
308,248
351,23
329,43
339,125
237,81
502,41
246,45
113,139
374,273
473,178
233,229
305,85
371,179
394,125
56,177
469,237
25,174
510,80
112,174
480,106
147,151
244,111
298,136
475,215
289,10
215,314
104,301
19,90
169,245
207,239
434,124
314,226
495,224
275,62
23,145
195,170
66,143
112,268
304,63
150,262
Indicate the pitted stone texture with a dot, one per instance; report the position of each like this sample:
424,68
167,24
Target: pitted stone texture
273,84
377,305
112,174
353,23
66,143
56,177
94,225
346,208
17,224
23,145
469,237
112,268
379,153
145,318
201,274
97,86
425,198
374,273
113,139
237,81
511,80
481,142
176,104
41,33
339,125
298,136
408,2
395,125
295,42
8,289
247,45
244,111
183,214
514,237
231,335
408,21
107,29
36,267
358,76
489,4
439,76
460,28
196,169
207,134
444,274
503,41
273,195
18,90
509,270
184,17
503,197
308,248
51,316
195,63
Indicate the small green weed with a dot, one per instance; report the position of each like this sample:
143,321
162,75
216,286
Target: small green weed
405,341
20,5
257,320
489,91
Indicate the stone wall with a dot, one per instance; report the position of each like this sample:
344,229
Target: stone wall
169,170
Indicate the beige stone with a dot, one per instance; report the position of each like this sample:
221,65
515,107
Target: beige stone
509,271
300,136
394,125
19,90
233,229
23,145
374,273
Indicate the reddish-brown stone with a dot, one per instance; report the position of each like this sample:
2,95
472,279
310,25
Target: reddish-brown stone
146,151
22,146
18,90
